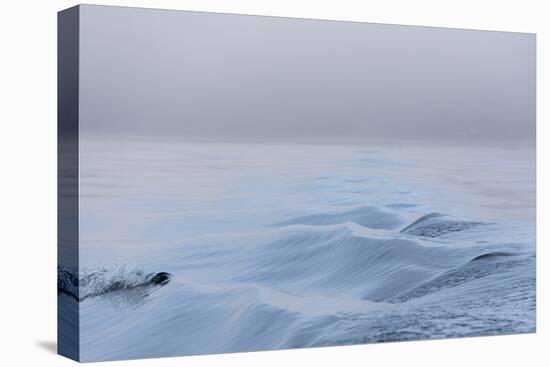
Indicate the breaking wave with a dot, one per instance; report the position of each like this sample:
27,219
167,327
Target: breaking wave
103,280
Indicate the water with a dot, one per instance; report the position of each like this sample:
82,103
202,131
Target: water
274,246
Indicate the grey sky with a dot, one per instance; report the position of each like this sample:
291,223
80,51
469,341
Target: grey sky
205,75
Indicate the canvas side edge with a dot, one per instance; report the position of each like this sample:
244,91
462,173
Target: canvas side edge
68,325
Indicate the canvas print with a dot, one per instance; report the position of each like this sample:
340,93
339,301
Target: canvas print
235,183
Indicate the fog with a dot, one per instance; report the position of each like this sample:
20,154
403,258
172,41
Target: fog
212,76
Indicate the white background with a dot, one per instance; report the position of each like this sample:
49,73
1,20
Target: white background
28,181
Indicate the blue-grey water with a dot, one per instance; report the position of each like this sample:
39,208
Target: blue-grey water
273,246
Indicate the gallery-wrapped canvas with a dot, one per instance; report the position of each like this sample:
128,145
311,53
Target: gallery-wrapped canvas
232,183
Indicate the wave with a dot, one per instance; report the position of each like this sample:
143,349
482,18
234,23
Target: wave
197,318
103,280
479,267
310,284
245,316
366,216
491,255
67,281
437,224
343,260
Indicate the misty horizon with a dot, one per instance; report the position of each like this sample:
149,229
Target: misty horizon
208,76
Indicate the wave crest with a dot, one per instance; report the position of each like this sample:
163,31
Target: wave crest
99,281
366,216
437,224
